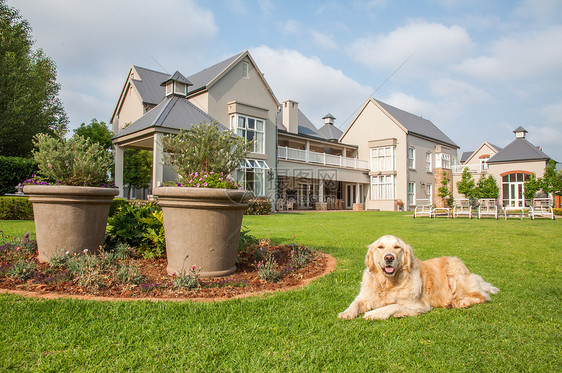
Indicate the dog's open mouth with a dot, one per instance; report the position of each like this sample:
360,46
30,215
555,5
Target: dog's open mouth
389,270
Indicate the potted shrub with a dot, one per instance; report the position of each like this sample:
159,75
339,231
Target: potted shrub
70,196
203,210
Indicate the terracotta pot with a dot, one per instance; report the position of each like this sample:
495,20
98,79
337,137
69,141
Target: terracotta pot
202,228
69,218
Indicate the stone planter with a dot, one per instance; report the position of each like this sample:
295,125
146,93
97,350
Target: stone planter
69,218
202,227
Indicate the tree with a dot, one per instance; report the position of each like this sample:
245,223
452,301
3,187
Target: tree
97,132
29,102
445,192
552,180
532,185
466,185
487,188
137,168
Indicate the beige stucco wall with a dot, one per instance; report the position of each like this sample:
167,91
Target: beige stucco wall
130,110
483,150
252,92
497,169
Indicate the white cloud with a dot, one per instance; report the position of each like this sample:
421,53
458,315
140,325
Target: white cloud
527,55
318,88
323,40
291,26
266,7
433,47
94,43
459,91
540,10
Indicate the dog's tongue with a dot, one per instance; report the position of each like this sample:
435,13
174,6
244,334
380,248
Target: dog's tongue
389,270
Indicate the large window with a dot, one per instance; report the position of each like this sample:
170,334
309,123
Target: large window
411,158
251,129
251,175
513,189
442,160
428,161
383,186
383,159
411,193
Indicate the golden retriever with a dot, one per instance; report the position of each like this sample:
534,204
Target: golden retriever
397,284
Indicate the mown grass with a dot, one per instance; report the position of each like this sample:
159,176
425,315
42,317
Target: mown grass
298,331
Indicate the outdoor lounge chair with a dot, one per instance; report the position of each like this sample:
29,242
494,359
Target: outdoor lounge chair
487,207
541,208
462,207
423,208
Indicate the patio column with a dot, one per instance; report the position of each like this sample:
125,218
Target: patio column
119,169
157,166
320,190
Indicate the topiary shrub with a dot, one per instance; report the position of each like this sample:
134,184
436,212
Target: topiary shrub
13,171
15,208
258,206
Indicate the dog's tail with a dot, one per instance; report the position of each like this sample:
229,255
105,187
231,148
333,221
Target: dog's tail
486,287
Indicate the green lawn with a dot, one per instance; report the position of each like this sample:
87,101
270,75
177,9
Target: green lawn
298,331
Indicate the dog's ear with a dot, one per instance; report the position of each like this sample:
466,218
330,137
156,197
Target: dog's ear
370,257
408,258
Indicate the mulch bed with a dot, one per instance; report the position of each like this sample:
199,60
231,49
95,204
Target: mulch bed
52,282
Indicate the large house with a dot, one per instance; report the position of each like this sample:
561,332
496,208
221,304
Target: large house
510,167
386,157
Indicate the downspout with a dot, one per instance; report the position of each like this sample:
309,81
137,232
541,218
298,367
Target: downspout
276,188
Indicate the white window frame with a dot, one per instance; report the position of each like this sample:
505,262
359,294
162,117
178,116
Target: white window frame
245,70
429,192
383,158
443,160
411,158
241,125
484,163
259,170
428,162
383,187
411,193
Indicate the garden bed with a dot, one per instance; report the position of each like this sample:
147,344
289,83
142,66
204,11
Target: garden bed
109,277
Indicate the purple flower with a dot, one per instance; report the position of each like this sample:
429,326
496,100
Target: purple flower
204,184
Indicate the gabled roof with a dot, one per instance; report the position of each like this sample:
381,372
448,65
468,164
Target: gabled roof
148,85
519,150
417,125
202,79
467,156
172,113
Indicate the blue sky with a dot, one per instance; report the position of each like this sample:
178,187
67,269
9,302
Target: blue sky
477,69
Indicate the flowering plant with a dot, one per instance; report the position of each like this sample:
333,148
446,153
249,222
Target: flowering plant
207,180
204,155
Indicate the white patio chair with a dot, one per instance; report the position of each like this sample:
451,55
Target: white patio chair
541,208
462,207
487,207
423,208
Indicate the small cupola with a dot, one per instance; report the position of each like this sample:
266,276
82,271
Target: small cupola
520,132
176,84
328,119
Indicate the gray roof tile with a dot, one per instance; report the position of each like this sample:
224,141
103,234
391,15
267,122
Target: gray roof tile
204,77
417,125
173,113
519,150
148,85
330,132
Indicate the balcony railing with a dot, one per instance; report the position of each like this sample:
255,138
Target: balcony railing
308,156
473,168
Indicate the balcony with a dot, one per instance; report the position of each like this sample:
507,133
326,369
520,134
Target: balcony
308,156
473,168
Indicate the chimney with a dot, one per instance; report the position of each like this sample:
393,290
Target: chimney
520,132
329,119
290,116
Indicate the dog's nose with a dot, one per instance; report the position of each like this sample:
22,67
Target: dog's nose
389,258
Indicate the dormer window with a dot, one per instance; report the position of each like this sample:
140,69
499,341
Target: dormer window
177,85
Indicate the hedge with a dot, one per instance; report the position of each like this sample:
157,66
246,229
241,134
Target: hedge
258,206
13,171
557,211
15,208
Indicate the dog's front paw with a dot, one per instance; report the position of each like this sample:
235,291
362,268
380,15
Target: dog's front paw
375,315
347,315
